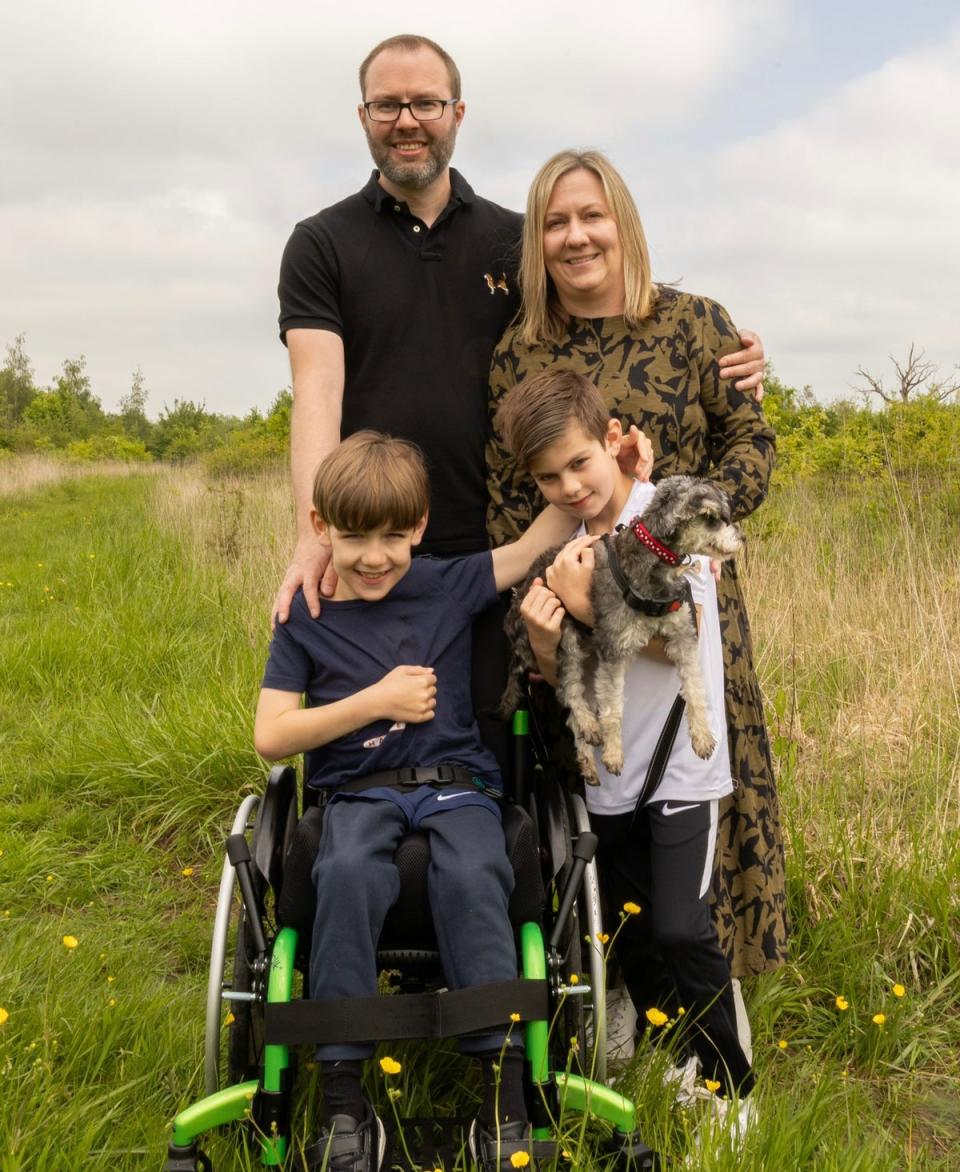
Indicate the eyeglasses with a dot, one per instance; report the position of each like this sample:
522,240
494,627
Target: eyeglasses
423,109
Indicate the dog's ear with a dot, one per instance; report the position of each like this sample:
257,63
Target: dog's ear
668,509
709,500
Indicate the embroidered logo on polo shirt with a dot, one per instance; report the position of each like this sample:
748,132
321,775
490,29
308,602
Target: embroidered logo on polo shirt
494,285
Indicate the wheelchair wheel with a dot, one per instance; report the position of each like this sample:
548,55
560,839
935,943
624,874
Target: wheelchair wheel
591,925
570,1030
218,953
245,1032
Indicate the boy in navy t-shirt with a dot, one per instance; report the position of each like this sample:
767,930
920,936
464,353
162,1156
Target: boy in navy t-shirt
386,672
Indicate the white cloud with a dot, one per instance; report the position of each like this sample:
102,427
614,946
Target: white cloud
835,234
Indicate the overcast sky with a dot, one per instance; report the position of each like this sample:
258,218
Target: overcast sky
797,161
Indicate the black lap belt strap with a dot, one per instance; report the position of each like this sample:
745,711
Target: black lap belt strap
406,1015
425,775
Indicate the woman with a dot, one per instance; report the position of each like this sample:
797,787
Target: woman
589,303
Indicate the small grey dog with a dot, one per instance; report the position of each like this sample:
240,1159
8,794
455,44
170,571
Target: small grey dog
638,591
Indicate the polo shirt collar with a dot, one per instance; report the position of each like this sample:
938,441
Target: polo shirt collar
460,192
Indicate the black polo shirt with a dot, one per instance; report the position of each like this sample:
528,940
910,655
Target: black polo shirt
419,311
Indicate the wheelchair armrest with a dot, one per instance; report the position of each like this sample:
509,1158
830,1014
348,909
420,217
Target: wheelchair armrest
276,819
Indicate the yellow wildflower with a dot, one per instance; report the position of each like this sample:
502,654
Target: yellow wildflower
899,990
110,980
842,1003
514,1016
188,871
631,908
603,937
879,1018
656,1017
782,1044
712,1085
70,942
112,1002
4,1017
574,978
49,878
390,1066
519,1159
229,1019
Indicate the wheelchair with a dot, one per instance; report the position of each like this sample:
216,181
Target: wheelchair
262,941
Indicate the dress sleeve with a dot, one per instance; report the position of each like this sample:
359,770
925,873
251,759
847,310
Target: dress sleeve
309,287
741,443
513,499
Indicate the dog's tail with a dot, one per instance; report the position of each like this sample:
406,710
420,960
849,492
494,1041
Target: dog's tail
513,694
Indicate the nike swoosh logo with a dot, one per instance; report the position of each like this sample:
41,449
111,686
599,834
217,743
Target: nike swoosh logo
668,809
447,797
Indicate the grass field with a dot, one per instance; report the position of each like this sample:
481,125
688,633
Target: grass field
133,623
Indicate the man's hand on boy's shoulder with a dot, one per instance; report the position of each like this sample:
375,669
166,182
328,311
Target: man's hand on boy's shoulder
407,694
309,567
570,575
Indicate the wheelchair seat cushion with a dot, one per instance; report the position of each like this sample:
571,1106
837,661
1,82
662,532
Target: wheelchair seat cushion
409,923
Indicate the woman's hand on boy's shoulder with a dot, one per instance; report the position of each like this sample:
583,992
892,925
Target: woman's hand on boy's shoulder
570,575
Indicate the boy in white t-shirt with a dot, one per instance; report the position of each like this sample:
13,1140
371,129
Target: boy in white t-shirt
660,855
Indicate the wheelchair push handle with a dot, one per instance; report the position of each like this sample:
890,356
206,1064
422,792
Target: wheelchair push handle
584,848
238,852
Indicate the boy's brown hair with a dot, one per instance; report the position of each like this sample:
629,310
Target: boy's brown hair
537,412
371,480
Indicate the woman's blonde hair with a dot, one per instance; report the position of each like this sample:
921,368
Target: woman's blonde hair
541,317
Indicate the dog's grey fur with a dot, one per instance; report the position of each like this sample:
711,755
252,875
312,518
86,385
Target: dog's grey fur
689,516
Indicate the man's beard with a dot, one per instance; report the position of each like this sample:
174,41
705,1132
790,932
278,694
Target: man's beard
414,176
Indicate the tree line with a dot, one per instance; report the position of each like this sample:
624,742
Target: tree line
911,424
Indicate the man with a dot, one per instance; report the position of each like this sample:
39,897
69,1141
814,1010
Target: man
391,304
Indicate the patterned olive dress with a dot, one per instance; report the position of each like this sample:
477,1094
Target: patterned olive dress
664,377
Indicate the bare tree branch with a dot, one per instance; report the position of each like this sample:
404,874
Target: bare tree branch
915,377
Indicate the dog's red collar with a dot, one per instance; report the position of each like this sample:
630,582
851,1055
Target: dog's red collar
643,534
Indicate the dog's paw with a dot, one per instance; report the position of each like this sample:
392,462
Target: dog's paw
613,760
703,744
591,733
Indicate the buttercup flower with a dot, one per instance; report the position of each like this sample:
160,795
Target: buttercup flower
188,871
390,1066
603,937
4,1017
712,1085
70,942
631,908
514,1016
899,990
574,978
656,1017
879,1018
229,1019
782,1044
842,1003
520,1159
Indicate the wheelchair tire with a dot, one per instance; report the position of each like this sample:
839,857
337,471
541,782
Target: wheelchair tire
570,1031
246,1030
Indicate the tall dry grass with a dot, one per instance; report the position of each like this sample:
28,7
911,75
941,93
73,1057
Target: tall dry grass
23,474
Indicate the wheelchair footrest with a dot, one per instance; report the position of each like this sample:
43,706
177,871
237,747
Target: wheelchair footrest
407,1015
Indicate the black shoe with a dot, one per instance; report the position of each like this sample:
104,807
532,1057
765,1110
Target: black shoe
492,1154
349,1146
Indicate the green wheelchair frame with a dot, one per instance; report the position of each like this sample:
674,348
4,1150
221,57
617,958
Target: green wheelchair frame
265,1099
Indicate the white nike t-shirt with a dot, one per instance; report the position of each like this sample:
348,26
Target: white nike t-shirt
649,691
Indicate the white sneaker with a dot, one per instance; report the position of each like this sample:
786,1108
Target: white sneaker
725,1126
685,1082
621,1026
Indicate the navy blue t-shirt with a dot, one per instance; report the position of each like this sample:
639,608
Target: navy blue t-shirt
424,621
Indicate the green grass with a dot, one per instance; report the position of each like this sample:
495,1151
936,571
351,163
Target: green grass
130,653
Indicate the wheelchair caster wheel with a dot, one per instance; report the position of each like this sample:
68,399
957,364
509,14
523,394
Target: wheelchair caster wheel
632,1153
186,1158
